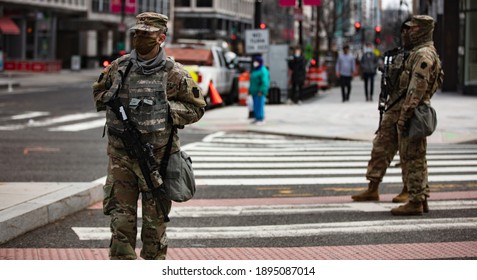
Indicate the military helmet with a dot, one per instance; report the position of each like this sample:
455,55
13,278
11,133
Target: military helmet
423,33
151,22
423,21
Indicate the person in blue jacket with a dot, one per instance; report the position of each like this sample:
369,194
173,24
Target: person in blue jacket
258,89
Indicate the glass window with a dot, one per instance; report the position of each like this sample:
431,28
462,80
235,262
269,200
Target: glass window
470,71
182,3
204,3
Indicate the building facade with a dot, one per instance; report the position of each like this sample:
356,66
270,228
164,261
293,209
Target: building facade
456,41
213,20
51,32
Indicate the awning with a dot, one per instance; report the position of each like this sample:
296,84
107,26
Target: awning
7,26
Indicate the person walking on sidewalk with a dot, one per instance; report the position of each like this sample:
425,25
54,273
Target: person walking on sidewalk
386,143
157,95
422,76
258,89
345,67
369,65
297,64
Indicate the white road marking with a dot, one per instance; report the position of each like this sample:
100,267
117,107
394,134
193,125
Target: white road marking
80,126
322,180
30,115
249,165
53,121
295,230
317,172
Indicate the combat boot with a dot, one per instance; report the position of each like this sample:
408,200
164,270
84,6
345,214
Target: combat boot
371,194
412,208
402,197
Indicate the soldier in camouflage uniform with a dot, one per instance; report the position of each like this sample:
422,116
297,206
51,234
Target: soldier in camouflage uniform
158,94
422,75
385,144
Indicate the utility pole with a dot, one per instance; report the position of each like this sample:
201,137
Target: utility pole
317,36
300,25
122,28
258,14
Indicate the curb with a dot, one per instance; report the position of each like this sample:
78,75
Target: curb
24,217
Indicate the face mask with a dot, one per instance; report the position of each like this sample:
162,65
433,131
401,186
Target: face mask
405,39
256,64
297,54
144,44
367,50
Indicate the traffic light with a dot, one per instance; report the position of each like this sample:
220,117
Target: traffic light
377,35
263,25
357,26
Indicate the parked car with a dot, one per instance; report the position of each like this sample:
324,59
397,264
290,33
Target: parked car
208,64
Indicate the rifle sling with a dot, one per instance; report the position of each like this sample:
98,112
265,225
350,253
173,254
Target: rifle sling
395,102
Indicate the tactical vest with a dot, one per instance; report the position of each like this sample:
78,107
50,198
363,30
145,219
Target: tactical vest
144,98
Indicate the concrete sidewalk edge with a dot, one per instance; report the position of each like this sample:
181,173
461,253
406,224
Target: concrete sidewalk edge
24,217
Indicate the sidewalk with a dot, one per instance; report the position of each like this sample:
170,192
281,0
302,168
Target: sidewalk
26,206
325,116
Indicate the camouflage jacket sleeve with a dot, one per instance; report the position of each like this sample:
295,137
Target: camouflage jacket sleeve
420,76
101,87
185,97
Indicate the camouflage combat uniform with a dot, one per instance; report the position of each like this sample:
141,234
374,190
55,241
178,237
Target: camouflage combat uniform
422,75
385,144
149,99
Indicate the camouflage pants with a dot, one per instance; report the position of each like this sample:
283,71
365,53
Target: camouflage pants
414,166
385,147
121,193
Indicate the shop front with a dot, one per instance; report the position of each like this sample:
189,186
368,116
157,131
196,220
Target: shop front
468,46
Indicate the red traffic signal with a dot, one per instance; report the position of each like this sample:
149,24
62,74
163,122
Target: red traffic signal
357,25
263,25
377,29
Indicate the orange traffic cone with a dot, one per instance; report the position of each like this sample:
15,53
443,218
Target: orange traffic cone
215,98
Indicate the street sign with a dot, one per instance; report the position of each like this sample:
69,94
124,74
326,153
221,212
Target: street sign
257,41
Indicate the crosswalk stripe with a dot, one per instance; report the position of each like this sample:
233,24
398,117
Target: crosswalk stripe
317,172
300,158
314,229
80,126
237,160
270,165
322,180
275,153
53,121
231,164
291,209
29,115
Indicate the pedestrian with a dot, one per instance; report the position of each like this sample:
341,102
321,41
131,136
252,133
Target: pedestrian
297,64
369,65
421,77
158,95
258,89
385,143
345,67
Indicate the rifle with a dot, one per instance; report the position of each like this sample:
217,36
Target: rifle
385,83
143,153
